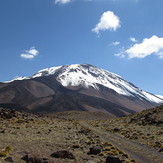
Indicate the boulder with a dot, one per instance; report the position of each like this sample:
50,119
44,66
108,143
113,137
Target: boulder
113,159
116,129
94,151
36,158
9,159
63,154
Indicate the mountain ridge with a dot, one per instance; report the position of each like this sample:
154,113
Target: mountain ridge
66,83
76,87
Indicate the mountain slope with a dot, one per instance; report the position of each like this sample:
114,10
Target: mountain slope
76,87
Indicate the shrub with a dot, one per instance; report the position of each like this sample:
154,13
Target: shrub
6,151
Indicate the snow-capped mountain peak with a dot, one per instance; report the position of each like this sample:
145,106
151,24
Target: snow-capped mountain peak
87,76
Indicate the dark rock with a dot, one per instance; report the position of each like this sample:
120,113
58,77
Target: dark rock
157,144
94,151
159,122
38,132
146,117
82,131
133,120
125,155
76,146
7,114
113,159
151,121
134,136
3,131
161,149
36,158
116,129
63,154
9,159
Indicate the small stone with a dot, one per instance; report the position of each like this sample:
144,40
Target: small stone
125,155
161,149
76,146
3,131
38,132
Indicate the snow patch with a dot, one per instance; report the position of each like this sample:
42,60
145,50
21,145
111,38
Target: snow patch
160,96
17,78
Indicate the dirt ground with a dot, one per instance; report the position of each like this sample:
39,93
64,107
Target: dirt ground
26,134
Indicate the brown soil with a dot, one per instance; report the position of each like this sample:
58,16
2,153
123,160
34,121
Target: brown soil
79,133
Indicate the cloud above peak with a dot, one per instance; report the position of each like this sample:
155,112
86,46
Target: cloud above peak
62,1
108,21
30,54
149,46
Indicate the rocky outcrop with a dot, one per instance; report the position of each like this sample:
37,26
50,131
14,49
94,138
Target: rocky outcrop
36,158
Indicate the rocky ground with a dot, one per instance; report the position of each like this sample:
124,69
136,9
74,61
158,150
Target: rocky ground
66,138
145,127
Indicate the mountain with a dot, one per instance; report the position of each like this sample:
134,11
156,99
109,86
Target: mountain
75,87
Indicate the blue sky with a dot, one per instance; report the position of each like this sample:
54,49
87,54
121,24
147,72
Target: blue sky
121,36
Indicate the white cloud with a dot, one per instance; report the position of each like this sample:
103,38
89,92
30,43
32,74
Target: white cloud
27,56
120,55
149,46
30,54
108,21
62,1
115,43
133,39
160,54
32,51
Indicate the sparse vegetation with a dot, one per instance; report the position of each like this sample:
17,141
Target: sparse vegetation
46,135
5,151
145,127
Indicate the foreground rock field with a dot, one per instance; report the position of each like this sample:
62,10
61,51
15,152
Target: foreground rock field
60,139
